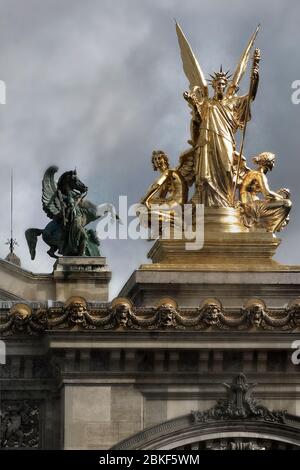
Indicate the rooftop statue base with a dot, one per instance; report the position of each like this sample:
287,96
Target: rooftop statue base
228,245
234,265
84,276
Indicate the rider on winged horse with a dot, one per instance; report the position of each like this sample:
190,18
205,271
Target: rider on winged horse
71,195
64,202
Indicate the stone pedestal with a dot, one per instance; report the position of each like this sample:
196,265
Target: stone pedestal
224,243
233,265
87,277
221,251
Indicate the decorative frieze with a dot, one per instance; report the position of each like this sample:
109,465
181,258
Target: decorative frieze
121,314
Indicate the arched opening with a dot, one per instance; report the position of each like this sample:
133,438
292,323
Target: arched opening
238,422
182,433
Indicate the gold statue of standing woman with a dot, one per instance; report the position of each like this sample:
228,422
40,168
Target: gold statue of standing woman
215,121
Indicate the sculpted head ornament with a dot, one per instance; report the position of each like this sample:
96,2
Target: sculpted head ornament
76,308
255,312
122,308
211,309
166,312
21,313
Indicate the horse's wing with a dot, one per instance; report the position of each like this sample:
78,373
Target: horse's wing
50,200
88,210
93,212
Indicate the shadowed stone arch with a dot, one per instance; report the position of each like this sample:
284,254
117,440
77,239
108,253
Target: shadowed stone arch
237,421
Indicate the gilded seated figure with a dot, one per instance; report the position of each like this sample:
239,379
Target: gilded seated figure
165,198
271,212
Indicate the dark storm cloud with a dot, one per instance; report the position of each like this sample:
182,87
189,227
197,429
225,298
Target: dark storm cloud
98,85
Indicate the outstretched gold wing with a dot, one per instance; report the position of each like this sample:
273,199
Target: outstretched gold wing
186,166
190,64
242,65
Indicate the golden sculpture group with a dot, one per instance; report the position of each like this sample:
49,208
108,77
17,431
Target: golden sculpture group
213,164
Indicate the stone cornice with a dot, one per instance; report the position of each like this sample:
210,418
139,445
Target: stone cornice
24,273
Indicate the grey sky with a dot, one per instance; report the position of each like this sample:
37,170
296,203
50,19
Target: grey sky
98,85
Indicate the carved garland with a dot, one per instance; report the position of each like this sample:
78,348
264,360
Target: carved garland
122,315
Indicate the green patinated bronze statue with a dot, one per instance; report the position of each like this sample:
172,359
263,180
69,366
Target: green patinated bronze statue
64,202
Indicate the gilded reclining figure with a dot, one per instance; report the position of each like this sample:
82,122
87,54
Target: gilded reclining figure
165,198
270,213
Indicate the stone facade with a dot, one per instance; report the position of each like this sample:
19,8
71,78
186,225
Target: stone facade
71,276
85,373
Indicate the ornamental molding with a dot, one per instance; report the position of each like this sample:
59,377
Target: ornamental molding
121,314
239,404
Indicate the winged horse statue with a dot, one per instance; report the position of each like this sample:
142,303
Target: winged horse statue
65,203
